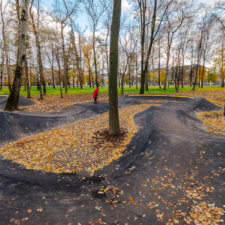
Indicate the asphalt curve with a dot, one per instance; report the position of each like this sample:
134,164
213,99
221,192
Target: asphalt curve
170,152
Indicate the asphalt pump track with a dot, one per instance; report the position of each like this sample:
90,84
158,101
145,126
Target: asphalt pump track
171,147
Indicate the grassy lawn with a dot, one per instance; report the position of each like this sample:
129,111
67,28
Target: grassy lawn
87,90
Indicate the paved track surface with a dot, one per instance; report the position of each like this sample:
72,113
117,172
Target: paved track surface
171,148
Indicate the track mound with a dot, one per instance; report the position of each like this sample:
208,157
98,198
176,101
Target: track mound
22,101
15,125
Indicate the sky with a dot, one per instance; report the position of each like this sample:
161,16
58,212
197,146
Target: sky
82,19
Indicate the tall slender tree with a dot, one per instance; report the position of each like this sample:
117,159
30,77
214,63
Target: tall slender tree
13,100
35,26
95,10
159,10
62,12
5,22
114,126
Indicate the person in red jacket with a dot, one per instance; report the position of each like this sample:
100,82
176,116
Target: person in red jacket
95,96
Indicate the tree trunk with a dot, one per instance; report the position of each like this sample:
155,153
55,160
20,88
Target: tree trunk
145,71
59,68
5,48
114,126
122,84
53,77
222,63
203,70
13,100
39,55
2,69
95,61
136,72
1,77
65,58
73,82
27,80
196,77
81,74
167,61
52,67
191,71
159,65
8,71
76,53
143,22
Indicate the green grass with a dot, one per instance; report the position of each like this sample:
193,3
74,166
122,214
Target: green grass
87,90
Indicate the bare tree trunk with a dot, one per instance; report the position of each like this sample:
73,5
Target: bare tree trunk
159,65
81,73
89,76
122,84
222,64
182,73
152,38
95,61
65,58
8,69
2,69
169,43
5,44
77,58
27,80
59,68
153,66
53,77
114,126
142,6
202,76
136,71
38,46
191,71
1,77
167,66
52,67
129,78
13,100
196,72
196,77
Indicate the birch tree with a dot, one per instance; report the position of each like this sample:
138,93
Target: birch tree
13,100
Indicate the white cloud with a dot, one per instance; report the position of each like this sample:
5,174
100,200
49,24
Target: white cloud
125,5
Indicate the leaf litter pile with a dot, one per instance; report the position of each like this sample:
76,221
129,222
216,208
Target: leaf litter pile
81,146
215,96
213,121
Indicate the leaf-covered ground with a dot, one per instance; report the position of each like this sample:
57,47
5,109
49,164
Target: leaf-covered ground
81,146
53,103
213,121
215,96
